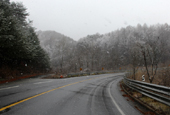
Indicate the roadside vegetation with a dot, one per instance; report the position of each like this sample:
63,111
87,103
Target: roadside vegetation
161,78
58,76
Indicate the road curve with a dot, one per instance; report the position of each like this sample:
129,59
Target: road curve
87,95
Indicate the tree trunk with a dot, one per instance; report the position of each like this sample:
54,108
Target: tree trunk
134,73
146,66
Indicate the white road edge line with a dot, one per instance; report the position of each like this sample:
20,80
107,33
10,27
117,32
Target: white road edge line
9,87
114,100
42,82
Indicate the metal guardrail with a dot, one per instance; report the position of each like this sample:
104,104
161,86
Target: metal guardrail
156,92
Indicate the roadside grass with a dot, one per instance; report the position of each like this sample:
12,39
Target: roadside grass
162,76
84,74
159,107
136,94
57,76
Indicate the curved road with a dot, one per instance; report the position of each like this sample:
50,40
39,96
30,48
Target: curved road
87,95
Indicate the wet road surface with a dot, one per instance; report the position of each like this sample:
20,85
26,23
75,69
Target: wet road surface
87,95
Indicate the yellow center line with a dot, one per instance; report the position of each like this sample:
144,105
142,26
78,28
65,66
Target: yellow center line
16,103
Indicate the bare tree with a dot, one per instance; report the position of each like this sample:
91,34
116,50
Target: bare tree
152,51
135,59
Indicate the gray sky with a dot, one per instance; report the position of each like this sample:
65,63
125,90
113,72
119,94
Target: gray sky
79,18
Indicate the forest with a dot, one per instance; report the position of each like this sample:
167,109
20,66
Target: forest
20,50
111,51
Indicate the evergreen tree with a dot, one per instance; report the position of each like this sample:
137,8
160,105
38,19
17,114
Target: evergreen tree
18,40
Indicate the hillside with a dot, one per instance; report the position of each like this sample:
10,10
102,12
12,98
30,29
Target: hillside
118,49
56,45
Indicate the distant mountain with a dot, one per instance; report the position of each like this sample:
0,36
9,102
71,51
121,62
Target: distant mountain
51,38
52,41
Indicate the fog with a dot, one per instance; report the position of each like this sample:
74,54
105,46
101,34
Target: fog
79,18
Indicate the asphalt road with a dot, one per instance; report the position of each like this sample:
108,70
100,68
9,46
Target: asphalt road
87,95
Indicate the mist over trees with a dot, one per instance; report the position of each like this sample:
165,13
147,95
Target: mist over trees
59,48
24,50
134,47
19,45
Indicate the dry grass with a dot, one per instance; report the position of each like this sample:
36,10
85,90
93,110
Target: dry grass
161,78
162,108
136,94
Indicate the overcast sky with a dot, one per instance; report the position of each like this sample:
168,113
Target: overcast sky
79,18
